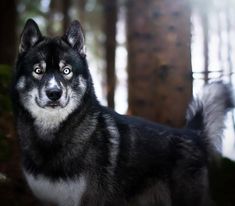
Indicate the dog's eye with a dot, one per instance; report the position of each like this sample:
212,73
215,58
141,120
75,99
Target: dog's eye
66,70
38,70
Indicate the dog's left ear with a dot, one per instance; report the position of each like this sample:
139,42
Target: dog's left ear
75,38
30,36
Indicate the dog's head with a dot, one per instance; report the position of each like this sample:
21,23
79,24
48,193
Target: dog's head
51,74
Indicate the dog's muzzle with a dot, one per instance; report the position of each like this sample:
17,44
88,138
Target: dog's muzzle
54,93
52,97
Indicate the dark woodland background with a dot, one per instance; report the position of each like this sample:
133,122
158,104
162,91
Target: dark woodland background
149,43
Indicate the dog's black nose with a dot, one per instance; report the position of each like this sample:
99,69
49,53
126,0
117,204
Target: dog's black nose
54,93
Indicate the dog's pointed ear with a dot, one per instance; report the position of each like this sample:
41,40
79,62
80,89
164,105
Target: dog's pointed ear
30,36
75,38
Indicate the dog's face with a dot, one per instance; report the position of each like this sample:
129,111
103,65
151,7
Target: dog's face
51,74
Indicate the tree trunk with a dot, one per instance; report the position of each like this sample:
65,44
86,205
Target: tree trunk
220,41
110,19
50,18
159,59
205,28
229,41
57,7
8,32
81,10
66,20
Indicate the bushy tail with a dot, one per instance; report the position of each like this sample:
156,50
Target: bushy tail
207,113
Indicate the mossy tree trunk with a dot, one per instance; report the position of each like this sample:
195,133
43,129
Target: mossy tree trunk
159,59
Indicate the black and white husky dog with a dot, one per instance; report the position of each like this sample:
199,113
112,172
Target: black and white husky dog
76,152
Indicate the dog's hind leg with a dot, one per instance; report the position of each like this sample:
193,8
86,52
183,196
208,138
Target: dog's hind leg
158,194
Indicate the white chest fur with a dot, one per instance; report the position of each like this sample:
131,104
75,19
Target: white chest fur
59,192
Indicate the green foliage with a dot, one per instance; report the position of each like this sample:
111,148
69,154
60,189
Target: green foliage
5,150
5,76
31,9
5,106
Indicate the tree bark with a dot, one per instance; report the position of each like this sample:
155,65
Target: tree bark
229,41
159,60
57,7
66,20
8,32
205,28
81,10
110,19
50,18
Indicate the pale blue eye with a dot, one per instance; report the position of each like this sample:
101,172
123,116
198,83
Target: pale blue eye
38,70
66,70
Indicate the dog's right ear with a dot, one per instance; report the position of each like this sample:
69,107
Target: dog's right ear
30,36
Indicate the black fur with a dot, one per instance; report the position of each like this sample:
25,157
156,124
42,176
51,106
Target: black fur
157,164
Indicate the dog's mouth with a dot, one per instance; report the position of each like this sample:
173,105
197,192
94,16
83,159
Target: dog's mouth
52,104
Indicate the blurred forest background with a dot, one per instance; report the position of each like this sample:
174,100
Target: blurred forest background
147,58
